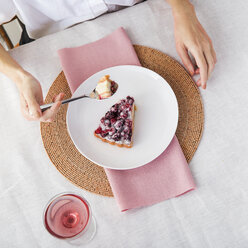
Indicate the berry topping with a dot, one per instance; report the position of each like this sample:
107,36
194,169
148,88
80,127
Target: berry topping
114,108
113,89
117,124
127,106
98,130
123,115
116,136
126,129
103,120
113,121
123,101
107,114
128,123
130,100
112,131
123,107
104,133
107,122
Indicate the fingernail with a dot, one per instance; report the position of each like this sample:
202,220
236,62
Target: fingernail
191,70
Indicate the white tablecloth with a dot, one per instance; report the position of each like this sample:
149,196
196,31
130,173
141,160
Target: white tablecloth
214,215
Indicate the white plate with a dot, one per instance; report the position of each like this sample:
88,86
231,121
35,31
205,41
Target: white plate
155,119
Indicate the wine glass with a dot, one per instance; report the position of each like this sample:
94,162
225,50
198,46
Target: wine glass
68,216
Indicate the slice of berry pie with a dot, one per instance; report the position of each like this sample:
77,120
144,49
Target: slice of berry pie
116,127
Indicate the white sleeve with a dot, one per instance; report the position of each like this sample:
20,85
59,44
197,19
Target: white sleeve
7,10
123,2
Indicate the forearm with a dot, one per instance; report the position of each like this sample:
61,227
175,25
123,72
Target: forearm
10,68
180,7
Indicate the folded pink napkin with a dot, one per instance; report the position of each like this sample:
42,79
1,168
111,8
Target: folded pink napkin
165,177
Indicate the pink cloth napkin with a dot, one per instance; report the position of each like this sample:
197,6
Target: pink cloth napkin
165,177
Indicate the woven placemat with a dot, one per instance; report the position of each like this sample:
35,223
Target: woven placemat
87,175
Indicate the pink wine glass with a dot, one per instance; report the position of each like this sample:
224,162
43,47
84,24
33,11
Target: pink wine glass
68,216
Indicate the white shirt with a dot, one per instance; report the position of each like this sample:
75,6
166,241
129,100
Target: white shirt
42,17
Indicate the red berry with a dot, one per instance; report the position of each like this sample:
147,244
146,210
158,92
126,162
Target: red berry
124,115
126,129
104,133
114,108
128,123
107,122
123,101
102,120
122,107
112,131
113,121
130,100
98,130
116,136
127,105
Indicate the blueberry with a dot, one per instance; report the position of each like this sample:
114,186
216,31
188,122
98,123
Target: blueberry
104,134
107,114
126,129
121,129
119,124
116,136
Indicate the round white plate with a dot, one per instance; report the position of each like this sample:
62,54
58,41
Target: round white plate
155,121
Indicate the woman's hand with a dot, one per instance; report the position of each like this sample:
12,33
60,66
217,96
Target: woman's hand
29,88
31,98
191,37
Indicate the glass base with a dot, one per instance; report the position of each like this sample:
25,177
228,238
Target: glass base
86,236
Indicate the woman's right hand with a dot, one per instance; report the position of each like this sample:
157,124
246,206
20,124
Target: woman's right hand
190,37
31,98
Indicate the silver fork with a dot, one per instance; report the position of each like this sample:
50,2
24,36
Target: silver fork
92,95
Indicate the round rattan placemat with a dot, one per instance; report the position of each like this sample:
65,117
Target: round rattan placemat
89,176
